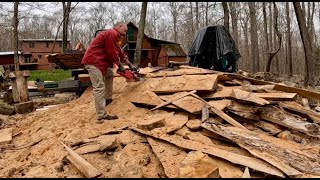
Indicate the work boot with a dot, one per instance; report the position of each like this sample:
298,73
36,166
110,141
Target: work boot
106,117
108,101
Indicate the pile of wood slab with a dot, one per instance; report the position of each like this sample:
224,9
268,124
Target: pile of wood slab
222,125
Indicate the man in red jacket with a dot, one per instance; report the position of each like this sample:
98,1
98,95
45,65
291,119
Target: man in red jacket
102,53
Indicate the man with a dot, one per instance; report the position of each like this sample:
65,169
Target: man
102,53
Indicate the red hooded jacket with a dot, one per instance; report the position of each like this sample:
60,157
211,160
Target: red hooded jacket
104,51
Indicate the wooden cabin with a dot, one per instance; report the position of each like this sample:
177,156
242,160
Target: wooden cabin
35,51
154,52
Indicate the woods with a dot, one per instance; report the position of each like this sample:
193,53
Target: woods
262,30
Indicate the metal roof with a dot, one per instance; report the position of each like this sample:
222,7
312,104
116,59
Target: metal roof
8,53
173,49
41,40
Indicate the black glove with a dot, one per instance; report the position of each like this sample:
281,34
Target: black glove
121,68
133,68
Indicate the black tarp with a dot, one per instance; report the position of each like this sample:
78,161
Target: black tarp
213,48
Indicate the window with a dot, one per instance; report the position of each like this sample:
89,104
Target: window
31,44
39,56
27,59
130,34
47,44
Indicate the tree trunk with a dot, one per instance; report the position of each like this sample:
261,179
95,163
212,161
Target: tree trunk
66,12
226,15
308,51
254,37
289,44
265,26
191,13
15,23
197,16
271,26
276,29
137,55
207,7
234,21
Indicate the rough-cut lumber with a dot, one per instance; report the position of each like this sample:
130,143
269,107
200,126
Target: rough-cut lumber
190,104
257,88
220,104
148,98
277,96
246,115
221,92
150,124
305,103
81,164
221,113
227,169
176,122
194,124
198,165
247,96
278,116
179,72
298,108
279,87
204,113
246,173
88,149
169,155
253,163
5,135
236,106
184,94
286,156
185,83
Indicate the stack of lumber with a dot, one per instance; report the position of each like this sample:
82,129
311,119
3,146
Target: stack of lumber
221,125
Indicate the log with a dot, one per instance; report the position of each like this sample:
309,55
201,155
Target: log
24,107
81,164
19,85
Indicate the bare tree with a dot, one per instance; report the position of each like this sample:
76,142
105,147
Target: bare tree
66,12
272,54
15,24
254,37
308,51
225,15
289,44
137,55
197,16
234,21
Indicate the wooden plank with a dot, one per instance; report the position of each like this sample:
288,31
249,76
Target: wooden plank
246,115
205,113
81,164
164,152
277,96
184,94
302,92
251,162
185,83
198,165
220,104
176,122
315,116
5,135
286,156
150,124
221,92
148,98
278,116
257,88
221,113
240,107
247,96
190,104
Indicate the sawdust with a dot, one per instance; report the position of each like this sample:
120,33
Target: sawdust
69,122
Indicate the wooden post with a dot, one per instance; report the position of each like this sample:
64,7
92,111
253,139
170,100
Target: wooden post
19,86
